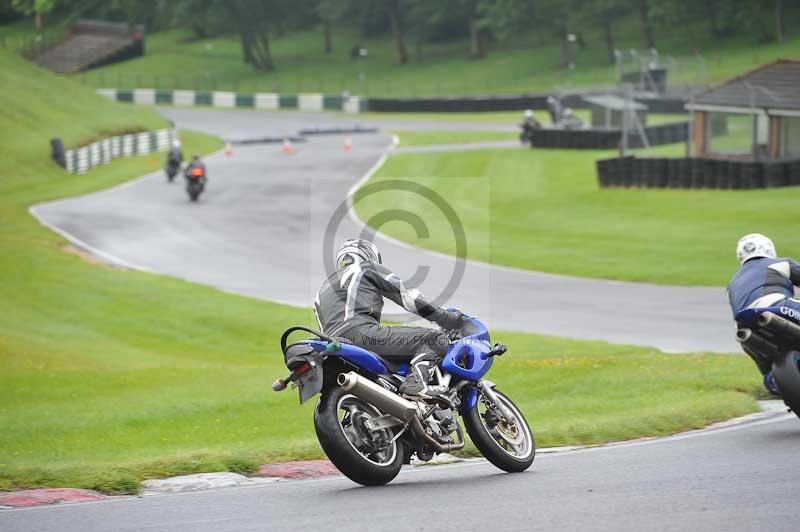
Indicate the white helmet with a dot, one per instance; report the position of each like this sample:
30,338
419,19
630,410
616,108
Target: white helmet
357,250
754,246
528,113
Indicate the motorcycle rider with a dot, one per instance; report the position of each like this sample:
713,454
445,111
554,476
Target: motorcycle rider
195,163
569,120
349,305
555,108
529,125
764,280
175,154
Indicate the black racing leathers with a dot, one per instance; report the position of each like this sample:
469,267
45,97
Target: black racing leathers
350,302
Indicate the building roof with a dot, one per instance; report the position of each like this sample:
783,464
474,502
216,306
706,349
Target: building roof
615,103
772,86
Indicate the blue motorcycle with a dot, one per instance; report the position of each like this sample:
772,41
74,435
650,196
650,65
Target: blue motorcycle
369,431
771,336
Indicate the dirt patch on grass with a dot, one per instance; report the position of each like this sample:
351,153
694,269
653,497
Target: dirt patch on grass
88,257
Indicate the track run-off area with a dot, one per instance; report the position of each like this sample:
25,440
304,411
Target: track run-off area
260,229
741,477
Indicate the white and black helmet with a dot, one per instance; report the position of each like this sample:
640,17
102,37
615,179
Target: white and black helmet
754,246
357,250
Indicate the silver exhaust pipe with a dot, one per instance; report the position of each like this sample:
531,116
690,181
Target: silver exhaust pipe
390,403
779,325
378,396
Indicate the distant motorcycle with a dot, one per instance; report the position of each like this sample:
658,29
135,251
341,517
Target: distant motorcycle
195,181
772,336
171,169
173,164
528,128
526,135
369,431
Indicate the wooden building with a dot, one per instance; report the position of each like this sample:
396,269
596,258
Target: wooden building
753,116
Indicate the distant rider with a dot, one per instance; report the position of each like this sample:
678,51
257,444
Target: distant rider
569,120
529,125
555,109
764,280
349,306
195,169
175,155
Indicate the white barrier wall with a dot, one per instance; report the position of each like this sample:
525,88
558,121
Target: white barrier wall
183,97
144,96
266,100
309,102
81,159
223,99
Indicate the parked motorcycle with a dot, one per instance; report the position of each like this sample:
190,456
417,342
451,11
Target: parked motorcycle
771,336
369,431
195,181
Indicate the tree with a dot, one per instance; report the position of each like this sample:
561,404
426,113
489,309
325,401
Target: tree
251,19
37,8
643,8
780,29
393,10
329,12
475,25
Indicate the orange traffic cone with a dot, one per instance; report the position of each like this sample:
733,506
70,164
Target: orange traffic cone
228,149
287,146
348,144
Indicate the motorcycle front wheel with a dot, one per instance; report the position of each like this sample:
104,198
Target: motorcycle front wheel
370,458
786,370
506,443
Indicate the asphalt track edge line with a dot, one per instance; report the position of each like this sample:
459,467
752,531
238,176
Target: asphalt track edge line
510,269
106,257
743,422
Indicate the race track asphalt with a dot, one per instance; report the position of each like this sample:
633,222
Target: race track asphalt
259,228
736,479
259,231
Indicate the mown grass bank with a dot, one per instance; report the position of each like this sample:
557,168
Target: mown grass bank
542,209
174,60
108,377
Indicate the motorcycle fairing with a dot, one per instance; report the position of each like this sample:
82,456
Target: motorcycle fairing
750,316
468,357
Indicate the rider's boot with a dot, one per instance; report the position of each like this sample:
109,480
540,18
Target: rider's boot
419,377
771,385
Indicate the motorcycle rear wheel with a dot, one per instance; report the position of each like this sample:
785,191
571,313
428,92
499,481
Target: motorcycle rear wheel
339,424
786,370
507,444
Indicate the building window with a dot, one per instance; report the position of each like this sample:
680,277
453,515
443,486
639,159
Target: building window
790,136
731,134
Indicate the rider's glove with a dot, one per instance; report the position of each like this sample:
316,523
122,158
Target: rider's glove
452,320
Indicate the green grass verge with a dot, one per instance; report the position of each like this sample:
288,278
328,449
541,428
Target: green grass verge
543,210
174,61
424,138
108,377
417,138
508,117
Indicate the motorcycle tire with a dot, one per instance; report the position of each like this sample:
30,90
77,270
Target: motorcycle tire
786,371
476,425
342,453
